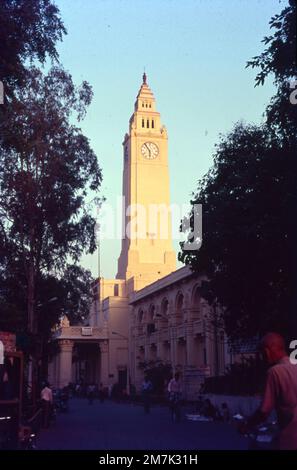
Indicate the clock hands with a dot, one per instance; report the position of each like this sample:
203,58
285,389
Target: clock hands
149,150
148,147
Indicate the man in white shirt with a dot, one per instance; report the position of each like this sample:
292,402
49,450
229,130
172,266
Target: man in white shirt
47,401
46,393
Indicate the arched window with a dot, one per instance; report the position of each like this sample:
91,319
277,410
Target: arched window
148,123
164,315
140,316
179,306
196,296
153,123
152,311
151,320
196,299
164,307
143,123
179,302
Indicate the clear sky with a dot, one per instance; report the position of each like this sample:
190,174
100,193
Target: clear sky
194,53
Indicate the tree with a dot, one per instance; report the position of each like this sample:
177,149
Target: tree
68,295
29,29
47,172
158,373
279,58
249,200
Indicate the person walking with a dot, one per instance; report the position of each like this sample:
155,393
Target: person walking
101,393
280,393
91,393
46,396
175,394
146,390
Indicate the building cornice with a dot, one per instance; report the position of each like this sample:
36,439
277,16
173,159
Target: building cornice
176,276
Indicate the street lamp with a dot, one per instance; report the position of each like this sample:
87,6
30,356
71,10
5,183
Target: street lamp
128,368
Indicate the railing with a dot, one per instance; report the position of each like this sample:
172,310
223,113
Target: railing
181,331
164,335
198,327
153,337
140,340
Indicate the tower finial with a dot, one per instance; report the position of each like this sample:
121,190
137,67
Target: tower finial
144,78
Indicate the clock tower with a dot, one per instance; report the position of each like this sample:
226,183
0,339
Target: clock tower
147,253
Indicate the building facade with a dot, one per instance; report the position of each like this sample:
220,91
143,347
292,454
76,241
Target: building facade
171,324
151,312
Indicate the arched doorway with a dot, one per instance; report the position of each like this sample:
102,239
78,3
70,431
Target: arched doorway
86,363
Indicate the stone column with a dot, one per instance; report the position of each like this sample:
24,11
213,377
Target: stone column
173,347
210,354
191,349
147,352
138,372
160,348
56,371
104,363
65,362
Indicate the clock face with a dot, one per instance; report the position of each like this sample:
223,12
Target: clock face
150,150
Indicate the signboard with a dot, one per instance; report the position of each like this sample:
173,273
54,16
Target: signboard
86,331
8,340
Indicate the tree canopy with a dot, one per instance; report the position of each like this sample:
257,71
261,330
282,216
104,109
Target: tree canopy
29,29
47,173
249,200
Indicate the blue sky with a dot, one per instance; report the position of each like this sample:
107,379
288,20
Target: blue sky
194,53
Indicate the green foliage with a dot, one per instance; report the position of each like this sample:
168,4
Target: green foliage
241,378
47,174
279,58
158,373
46,167
249,200
29,30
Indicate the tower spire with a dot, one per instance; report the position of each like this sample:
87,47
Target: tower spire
144,78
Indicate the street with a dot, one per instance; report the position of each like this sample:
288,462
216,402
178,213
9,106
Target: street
125,426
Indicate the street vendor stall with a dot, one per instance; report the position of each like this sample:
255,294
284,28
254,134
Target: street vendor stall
11,392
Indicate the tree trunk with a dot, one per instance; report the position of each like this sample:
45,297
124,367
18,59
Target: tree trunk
31,300
32,327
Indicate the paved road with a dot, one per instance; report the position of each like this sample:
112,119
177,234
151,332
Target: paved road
124,426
